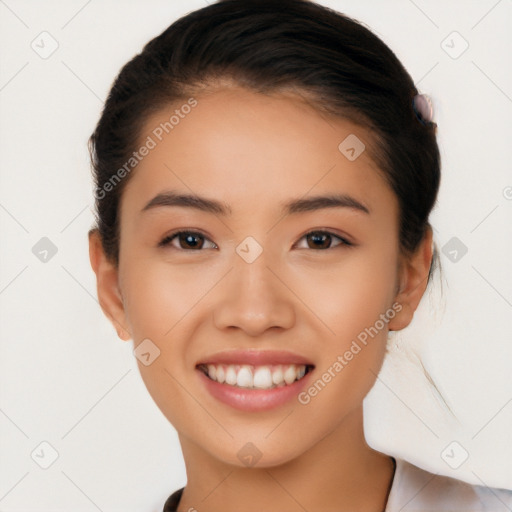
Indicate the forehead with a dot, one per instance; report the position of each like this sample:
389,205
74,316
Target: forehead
243,147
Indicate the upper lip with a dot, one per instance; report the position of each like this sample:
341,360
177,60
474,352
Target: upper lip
255,358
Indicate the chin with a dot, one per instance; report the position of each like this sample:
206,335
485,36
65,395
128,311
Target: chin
259,454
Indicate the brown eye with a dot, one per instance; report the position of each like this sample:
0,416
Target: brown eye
187,240
323,240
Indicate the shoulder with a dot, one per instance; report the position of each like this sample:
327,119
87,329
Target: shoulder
417,490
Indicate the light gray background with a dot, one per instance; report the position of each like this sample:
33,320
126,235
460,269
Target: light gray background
68,381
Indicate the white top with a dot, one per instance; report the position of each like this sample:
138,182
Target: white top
417,490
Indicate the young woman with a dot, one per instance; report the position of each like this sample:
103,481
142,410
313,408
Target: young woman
264,175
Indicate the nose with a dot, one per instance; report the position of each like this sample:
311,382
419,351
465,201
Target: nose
254,298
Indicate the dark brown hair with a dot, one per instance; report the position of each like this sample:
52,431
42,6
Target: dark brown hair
268,46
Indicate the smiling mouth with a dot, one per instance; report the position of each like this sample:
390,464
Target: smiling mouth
255,376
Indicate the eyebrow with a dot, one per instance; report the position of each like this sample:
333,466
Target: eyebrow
171,198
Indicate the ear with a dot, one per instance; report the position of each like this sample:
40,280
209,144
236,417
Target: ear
412,282
107,282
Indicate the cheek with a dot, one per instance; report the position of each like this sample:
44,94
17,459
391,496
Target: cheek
160,304
350,295
354,301
158,296
356,306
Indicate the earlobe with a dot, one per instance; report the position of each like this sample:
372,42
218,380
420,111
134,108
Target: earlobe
413,279
107,285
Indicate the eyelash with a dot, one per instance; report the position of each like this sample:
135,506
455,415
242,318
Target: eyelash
165,242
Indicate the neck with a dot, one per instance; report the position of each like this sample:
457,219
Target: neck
339,473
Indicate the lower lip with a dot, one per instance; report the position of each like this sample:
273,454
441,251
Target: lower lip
253,400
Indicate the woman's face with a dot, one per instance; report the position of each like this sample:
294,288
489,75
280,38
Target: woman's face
250,286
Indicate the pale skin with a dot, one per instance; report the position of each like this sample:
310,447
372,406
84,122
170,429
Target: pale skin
254,153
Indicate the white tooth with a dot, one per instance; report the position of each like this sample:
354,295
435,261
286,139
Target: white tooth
231,375
290,374
277,375
244,378
221,374
211,371
301,371
262,378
